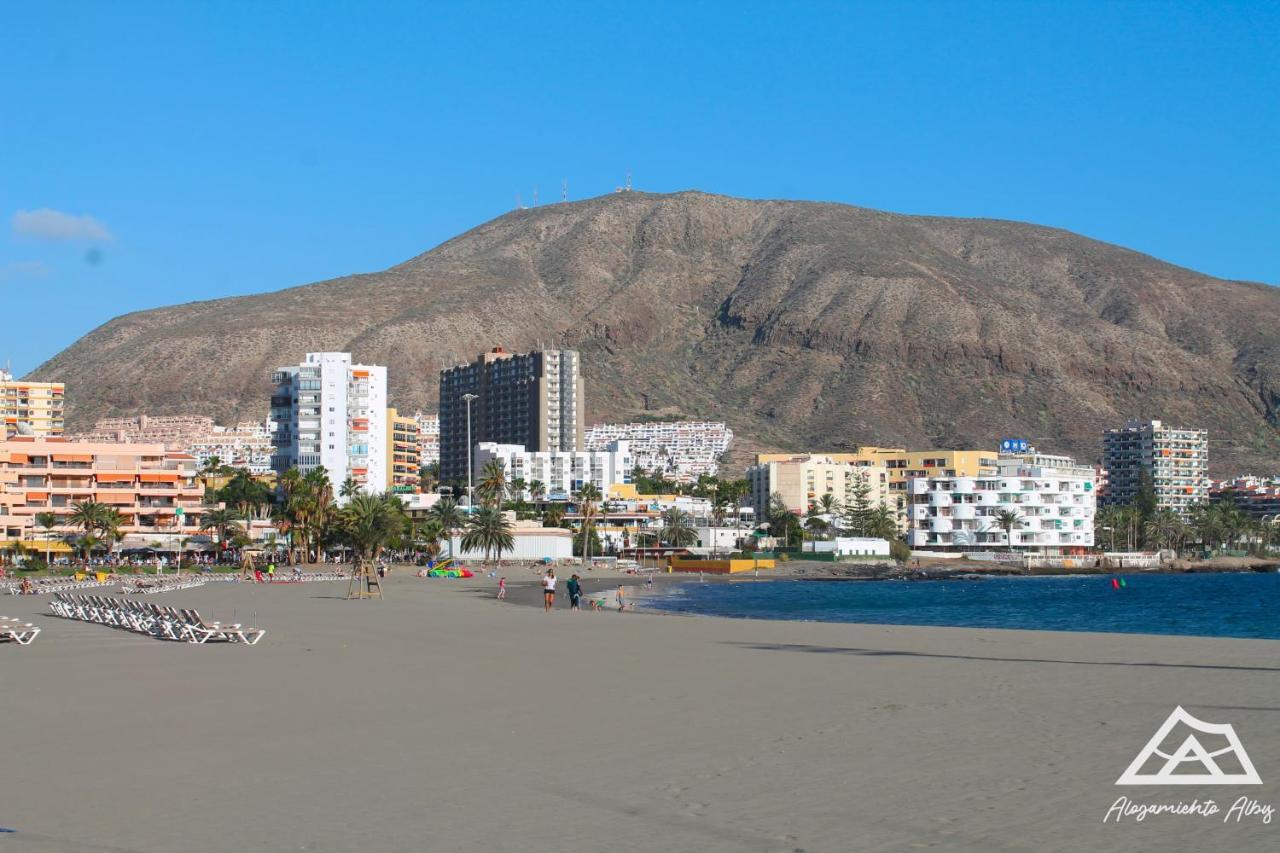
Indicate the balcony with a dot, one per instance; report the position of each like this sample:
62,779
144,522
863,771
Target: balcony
940,499
964,512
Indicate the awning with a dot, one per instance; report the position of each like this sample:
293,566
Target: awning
37,496
19,458
158,477
72,457
114,478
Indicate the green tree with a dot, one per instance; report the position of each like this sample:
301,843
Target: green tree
537,490
784,524
1007,520
47,521
223,523
677,528
489,531
349,488
493,483
449,516
371,523
881,523
857,509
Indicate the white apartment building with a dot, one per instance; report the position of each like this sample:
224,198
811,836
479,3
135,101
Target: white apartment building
245,445
428,438
680,449
332,414
561,472
1177,460
1053,498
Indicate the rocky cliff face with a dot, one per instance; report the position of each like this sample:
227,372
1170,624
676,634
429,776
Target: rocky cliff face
803,325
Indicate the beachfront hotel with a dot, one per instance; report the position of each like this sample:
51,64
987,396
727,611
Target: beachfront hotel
30,408
1177,459
1053,498
404,457
332,414
562,472
532,399
153,488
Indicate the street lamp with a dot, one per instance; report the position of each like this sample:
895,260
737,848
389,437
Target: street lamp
468,398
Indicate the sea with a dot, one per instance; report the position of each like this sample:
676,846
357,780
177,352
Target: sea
1210,605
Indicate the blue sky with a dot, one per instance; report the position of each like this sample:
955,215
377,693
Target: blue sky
167,152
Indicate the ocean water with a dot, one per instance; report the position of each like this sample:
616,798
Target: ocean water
1215,605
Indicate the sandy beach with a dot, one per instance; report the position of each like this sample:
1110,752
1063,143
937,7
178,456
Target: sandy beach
441,719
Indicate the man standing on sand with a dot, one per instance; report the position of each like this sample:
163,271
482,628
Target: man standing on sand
575,593
502,587
548,590
622,598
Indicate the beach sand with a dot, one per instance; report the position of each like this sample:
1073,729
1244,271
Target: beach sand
441,719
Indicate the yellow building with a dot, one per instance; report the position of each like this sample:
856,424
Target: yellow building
898,464
404,458
30,408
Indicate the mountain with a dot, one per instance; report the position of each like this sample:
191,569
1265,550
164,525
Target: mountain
804,325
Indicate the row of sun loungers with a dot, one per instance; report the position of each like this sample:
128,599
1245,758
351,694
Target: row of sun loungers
166,623
13,630
41,586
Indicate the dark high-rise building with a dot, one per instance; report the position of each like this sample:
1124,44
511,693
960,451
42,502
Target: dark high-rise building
532,399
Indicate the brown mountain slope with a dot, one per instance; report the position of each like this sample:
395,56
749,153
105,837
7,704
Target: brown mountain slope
802,324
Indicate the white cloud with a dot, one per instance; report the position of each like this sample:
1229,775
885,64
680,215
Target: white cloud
20,270
46,224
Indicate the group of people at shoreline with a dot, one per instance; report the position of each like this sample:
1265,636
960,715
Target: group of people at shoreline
573,587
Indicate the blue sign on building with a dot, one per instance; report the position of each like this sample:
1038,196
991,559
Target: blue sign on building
1014,445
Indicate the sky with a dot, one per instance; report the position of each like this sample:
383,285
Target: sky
156,153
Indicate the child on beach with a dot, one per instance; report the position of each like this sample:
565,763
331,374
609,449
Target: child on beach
502,587
622,598
575,593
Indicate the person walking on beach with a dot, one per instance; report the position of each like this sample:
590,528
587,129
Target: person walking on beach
548,590
575,593
502,587
622,598
271,571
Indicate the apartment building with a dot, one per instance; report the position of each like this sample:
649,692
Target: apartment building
30,408
245,445
802,479
682,450
1053,498
330,413
1176,458
403,455
153,488
533,400
561,472
902,465
428,437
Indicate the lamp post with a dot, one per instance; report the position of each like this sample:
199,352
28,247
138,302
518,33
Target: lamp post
468,398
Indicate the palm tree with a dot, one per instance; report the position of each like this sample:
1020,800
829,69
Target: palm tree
537,490
493,482
47,521
349,488
553,515
87,543
449,516
430,534
677,528
881,523
587,497
488,530
1110,520
516,488
89,516
224,523
1007,520
783,523
1166,529
112,527
830,506
370,522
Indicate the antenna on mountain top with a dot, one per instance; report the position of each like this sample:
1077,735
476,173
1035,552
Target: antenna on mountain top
564,190
628,180
519,203
535,196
